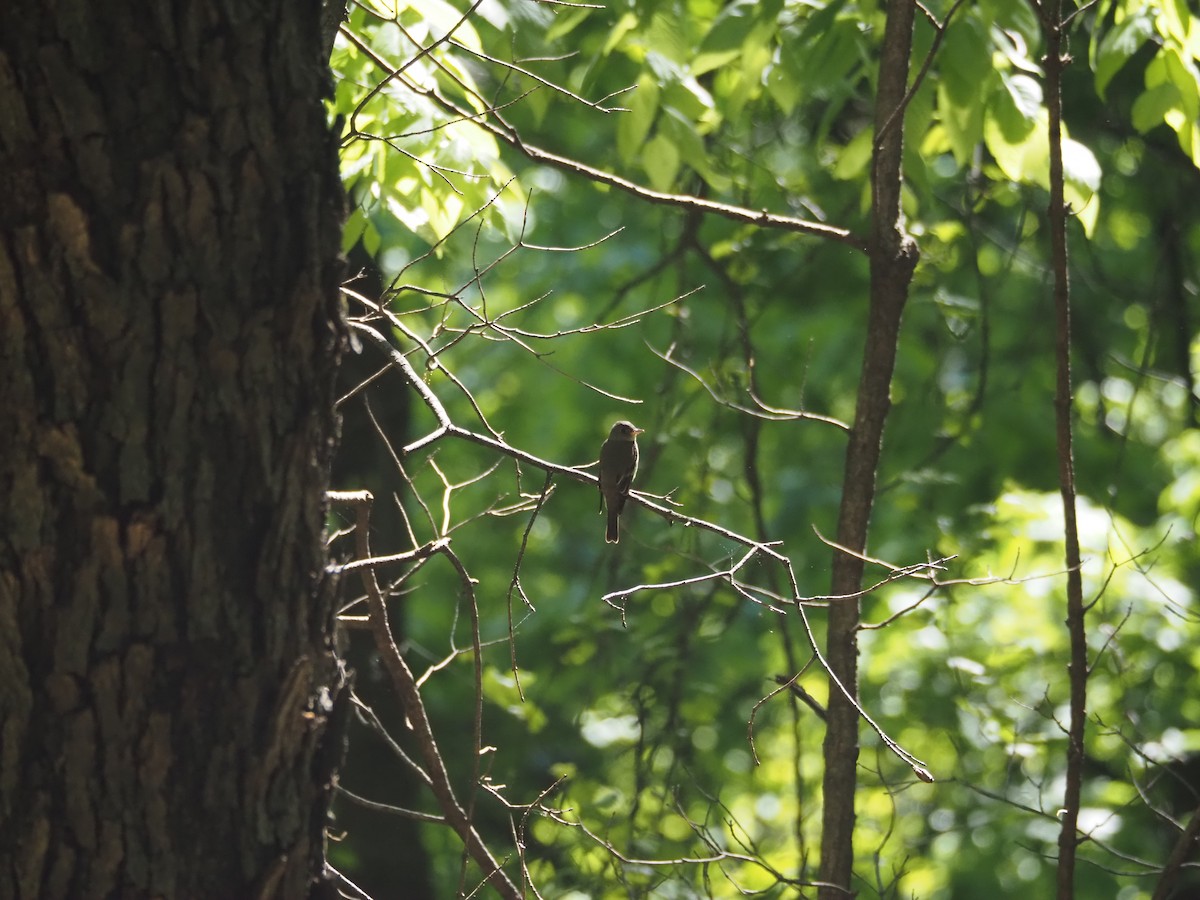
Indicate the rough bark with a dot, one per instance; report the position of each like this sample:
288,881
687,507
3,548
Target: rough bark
169,215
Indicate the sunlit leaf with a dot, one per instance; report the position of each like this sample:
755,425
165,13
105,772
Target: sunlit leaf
635,125
1119,45
660,159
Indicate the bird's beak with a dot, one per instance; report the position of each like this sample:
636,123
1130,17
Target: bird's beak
637,431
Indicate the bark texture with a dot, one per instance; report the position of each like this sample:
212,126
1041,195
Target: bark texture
169,218
893,256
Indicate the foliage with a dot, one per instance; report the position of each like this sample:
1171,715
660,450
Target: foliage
656,732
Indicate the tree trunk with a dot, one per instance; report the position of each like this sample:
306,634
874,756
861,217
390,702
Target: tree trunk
169,229
893,259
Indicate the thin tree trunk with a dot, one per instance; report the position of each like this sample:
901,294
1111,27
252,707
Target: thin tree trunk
169,218
893,257
1055,61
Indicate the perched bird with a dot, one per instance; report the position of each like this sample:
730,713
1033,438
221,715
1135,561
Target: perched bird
618,465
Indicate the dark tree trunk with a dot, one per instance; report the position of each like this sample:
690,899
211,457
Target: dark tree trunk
893,259
169,229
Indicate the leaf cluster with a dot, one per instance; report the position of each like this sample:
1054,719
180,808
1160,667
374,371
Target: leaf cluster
642,739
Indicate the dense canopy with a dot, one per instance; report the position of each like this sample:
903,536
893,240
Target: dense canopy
566,214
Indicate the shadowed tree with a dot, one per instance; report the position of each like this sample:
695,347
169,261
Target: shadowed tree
169,235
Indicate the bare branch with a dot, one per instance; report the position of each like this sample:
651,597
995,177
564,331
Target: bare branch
414,708
764,412
509,135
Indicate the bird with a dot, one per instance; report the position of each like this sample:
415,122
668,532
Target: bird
618,465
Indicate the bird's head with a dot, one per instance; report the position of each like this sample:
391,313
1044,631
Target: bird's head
624,431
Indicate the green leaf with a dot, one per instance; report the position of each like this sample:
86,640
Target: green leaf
824,56
855,156
660,159
634,125
1026,94
689,97
962,124
1024,159
1020,28
965,62
566,23
1119,45
1182,73
443,19
1015,129
371,239
443,210
783,88
1080,165
353,229
724,40
1173,97
966,77
1081,183
1175,21
1151,107
627,23
690,145
668,37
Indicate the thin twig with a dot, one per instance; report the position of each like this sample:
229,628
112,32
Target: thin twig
414,708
